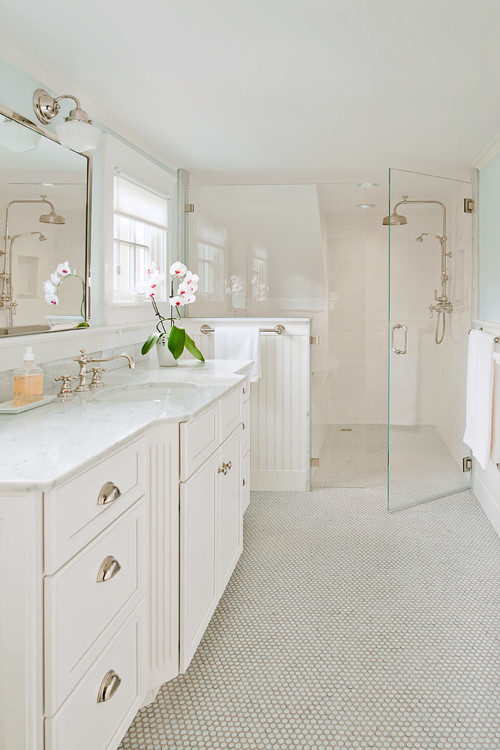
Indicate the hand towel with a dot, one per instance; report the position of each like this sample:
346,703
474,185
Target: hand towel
239,343
495,440
479,395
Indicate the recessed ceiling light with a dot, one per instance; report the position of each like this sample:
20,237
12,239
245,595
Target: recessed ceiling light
368,184
365,205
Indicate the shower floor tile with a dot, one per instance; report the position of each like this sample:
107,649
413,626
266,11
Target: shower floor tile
345,627
421,466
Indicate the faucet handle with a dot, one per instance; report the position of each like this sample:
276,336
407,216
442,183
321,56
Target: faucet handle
66,390
96,381
82,359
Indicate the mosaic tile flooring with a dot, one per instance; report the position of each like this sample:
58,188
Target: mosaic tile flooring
345,627
421,465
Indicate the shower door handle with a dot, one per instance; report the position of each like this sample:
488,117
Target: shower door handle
393,334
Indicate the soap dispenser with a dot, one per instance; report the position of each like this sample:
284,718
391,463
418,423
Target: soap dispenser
28,381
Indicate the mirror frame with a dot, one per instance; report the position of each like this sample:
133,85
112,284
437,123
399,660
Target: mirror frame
6,112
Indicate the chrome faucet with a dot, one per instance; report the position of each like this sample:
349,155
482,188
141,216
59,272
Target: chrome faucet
83,360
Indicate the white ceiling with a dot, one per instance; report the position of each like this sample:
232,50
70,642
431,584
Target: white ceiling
330,87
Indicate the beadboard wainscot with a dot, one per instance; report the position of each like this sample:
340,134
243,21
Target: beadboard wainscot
281,399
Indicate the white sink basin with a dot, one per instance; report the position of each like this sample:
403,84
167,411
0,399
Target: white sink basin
162,392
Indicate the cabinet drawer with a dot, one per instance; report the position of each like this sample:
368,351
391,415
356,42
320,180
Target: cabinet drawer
79,510
83,598
231,412
246,390
86,720
199,439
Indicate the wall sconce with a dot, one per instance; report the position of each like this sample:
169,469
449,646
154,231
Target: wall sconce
17,138
77,131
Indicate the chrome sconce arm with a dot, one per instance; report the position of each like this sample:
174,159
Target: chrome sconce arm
77,131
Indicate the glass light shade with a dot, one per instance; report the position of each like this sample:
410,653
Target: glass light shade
17,138
78,135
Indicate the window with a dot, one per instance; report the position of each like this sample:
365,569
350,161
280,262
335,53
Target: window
210,262
140,235
260,286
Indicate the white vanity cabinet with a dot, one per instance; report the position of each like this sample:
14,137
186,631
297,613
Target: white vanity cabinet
211,516
96,534
109,578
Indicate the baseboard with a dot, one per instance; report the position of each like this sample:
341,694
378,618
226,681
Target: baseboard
489,504
295,481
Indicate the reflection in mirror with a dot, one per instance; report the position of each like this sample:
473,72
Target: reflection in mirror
44,213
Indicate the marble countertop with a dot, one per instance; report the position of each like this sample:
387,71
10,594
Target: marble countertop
47,445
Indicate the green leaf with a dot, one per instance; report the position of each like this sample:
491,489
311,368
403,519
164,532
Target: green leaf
149,343
83,324
176,341
193,349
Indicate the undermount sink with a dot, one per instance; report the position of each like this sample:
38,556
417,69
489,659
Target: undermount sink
147,392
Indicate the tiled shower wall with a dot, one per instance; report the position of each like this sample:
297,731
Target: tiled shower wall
358,309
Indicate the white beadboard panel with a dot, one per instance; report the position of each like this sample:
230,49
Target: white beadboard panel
280,401
282,481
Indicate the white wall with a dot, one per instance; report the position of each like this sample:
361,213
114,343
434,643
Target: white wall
357,292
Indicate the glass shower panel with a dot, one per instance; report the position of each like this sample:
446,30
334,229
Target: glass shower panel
430,248
312,251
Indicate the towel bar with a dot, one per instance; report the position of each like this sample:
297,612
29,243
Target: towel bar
277,329
496,339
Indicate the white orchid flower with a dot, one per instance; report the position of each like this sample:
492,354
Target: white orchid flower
176,301
49,287
52,299
63,269
191,278
189,299
178,269
55,279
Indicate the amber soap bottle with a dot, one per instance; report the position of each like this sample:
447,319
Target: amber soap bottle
28,381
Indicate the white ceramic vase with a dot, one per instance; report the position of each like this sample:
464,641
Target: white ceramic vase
165,356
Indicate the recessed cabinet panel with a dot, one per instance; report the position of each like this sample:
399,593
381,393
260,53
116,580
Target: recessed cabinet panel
98,712
199,558
79,510
84,597
199,439
245,420
245,482
231,516
231,412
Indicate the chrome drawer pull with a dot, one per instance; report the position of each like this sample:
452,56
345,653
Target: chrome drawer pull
108,569
108,494
108,687
244,426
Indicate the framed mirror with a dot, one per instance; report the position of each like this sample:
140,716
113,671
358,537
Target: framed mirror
45,230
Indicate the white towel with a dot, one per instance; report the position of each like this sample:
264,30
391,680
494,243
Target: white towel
479,395
495,441
239,343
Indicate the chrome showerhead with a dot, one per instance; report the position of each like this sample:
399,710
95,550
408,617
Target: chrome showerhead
394,220
52,217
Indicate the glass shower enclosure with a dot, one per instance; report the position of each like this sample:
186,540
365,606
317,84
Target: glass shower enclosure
430,262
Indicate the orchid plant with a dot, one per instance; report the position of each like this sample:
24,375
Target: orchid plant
51,288
183,293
